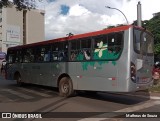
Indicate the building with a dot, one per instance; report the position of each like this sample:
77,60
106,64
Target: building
156,14
20,27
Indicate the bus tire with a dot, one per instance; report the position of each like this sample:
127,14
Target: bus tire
18,79
66,87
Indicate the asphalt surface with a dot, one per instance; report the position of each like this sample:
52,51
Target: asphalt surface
99,107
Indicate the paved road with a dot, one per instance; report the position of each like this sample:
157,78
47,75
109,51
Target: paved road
33,98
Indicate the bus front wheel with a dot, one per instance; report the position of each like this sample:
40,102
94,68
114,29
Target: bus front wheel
66,87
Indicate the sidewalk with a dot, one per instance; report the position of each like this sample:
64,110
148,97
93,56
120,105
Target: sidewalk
144,94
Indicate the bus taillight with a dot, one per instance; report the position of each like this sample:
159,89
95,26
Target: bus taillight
133,72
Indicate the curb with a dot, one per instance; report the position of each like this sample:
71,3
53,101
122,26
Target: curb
142,96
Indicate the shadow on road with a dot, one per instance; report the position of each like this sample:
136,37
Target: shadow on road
121,98
39,92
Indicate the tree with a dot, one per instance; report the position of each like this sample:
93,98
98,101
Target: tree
4,3
153,25
20,4
24,4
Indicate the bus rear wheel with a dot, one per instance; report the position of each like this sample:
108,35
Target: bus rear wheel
66,87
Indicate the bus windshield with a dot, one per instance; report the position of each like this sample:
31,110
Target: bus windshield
143,42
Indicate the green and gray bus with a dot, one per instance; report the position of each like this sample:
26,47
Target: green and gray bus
118,59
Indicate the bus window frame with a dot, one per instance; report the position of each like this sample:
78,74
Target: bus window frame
92,48
80,49
68,50
23,56
7,57
122,45
134,42
38,51
60,51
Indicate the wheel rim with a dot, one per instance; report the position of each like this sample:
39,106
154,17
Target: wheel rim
65,88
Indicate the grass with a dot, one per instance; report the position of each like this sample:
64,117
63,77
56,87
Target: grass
156,87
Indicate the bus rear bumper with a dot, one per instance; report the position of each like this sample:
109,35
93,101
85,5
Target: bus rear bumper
145,86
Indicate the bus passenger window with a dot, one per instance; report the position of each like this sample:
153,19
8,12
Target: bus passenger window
46,57
11,58
115,42
54,56
100,47
60,56
73,56
86,48
87,54
43,53
74,46
59,51
111,40
65,55
40,58
28,55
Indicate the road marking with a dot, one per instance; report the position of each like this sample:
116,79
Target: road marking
155,98
141,96
92,119
139,107
19,94
35,92
125,110
4,99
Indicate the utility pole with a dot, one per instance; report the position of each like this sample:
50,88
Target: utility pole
139,15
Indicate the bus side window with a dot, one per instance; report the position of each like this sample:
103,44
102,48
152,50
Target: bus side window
86,48
43,53
73,53
11,58
111,43
115,42
18,57
55,51
73,56
47,56
65,51
29,55
100,47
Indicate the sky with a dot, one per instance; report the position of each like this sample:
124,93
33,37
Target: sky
81,16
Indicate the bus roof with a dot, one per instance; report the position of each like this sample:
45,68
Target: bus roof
105,31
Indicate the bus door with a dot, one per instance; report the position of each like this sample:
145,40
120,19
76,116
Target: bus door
145,58
26,66
41,69
41,73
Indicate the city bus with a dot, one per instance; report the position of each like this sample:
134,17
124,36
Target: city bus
118,59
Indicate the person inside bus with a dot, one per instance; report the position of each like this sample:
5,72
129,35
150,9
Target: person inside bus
65,58
60,56
73,56
40,58
87,54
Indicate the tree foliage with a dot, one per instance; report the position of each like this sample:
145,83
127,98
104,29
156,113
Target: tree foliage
20,4
153,25
4,3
